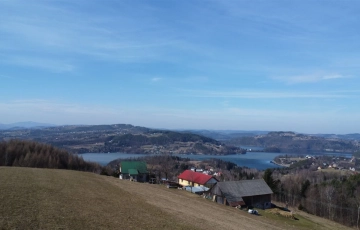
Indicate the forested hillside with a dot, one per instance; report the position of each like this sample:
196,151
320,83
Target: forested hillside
32,154
158,138
121,138
331,194
299,143
158,141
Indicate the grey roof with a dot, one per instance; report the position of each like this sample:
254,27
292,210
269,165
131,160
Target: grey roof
235,190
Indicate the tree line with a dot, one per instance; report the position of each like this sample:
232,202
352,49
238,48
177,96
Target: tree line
296,143
329,195
160,138
22,153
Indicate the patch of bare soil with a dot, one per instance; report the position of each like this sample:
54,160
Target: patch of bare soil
277,211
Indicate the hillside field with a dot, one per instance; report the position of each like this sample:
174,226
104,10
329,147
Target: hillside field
33,198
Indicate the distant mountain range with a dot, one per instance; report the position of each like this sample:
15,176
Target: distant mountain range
123,138
134,139
300,143
25,125
350,136
220,135
223,135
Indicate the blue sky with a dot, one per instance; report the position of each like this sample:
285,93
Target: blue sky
240,65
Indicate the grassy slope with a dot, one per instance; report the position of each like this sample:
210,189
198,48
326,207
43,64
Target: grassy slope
52,199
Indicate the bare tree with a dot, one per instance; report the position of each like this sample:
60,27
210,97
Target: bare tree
329,196
357,202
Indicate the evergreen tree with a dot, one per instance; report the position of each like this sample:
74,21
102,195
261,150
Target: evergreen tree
273,184
32,154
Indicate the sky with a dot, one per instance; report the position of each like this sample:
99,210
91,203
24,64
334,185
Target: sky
194,64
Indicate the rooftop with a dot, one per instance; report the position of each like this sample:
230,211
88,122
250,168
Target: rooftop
130,166
235,190
199,178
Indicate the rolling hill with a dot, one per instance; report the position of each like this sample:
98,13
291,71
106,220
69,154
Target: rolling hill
298,143
25,125
121,138
34,198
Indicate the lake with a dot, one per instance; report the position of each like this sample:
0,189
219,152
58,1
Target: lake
105,158
258,160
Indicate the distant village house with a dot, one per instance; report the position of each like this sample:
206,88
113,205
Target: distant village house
191,178
133,170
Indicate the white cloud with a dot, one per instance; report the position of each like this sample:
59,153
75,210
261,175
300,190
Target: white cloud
38,106
243,118
156,79
47,28
312,78
51,64
254,94
196,79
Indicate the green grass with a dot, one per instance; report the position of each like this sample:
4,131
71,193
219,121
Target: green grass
64,199
300,222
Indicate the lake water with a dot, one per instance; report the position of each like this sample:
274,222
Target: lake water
258,160
105,158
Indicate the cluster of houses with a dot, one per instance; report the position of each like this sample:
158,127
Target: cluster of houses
319,163
250,193
339,164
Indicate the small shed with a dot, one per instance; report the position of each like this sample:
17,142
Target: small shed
133,170
254,193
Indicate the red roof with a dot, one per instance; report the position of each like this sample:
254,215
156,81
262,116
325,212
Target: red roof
199,178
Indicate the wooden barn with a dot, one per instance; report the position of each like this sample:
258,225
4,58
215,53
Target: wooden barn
133,170
254,193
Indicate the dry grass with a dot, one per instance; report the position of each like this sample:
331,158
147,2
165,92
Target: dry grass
302,220
332,170
61,199
277,211
205,214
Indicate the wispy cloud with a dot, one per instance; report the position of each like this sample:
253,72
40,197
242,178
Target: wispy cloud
49,106
45,28
156,79
256,94
312,78
51,64
5,76
196,79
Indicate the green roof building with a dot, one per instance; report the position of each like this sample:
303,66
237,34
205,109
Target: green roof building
134,171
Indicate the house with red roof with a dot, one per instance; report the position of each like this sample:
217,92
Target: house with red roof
191,178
